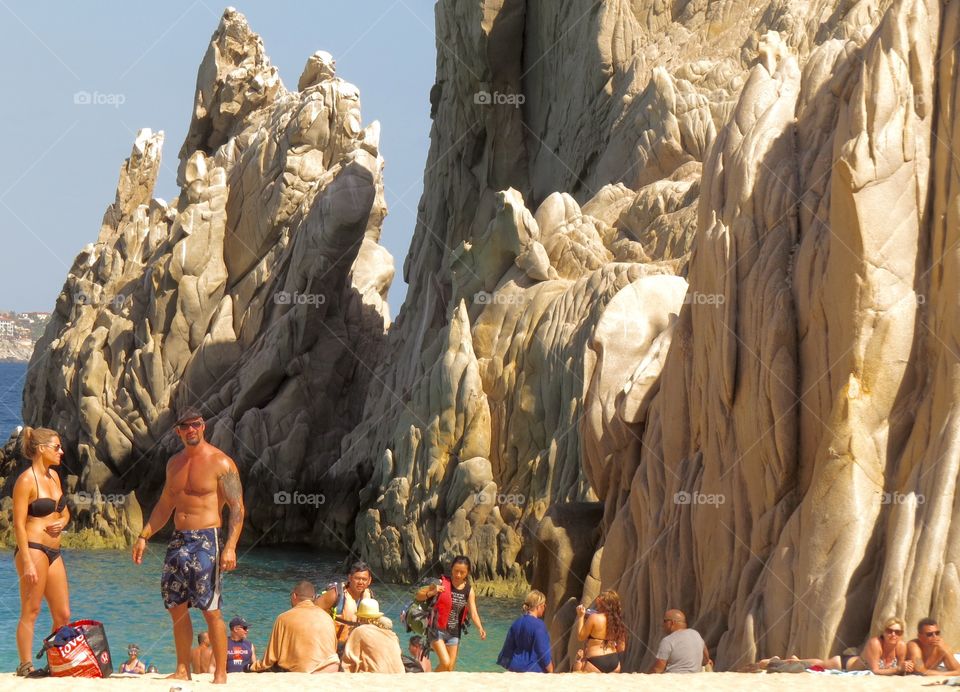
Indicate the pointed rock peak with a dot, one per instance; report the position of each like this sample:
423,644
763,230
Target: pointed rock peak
234,80
138,176
772,50
320,67
458,335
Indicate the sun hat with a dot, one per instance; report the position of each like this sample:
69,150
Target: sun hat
368,609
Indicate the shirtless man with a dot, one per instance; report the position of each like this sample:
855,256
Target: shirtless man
929,653
200,480
201,658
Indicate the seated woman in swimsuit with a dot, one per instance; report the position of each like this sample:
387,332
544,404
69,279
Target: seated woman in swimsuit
133,664
604,633
39,515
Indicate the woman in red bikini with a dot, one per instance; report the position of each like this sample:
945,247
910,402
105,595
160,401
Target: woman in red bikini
39,515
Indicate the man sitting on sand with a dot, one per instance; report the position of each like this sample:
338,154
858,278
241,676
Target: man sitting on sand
929,653
682,649
372,647
303,639
201,656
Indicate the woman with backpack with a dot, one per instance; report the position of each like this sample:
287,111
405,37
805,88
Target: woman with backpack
454,603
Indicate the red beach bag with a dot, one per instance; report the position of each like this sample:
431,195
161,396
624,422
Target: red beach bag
78,650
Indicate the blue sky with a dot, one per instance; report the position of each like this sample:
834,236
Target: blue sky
59,168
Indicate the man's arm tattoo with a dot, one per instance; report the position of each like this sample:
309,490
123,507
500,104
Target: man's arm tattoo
233,492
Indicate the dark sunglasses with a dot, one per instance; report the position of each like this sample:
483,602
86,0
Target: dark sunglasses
190,425
55,448
890,630
932,634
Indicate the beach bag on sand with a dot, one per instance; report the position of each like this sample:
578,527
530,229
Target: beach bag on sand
78,650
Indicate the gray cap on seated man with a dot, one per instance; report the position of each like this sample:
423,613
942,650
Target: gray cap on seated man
682,649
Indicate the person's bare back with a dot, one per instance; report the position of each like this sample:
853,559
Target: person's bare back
201,658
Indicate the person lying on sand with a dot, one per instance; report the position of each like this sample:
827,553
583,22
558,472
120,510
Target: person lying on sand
792,664
929,653
884,654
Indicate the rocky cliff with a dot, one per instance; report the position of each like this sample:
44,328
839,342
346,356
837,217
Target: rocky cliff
680,318
257,294
704,255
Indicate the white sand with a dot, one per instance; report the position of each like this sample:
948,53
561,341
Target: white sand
464,682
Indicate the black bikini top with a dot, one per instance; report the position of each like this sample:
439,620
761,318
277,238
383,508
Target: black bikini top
45,506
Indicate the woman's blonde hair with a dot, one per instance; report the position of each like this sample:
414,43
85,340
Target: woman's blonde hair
534,600
32,438
889,623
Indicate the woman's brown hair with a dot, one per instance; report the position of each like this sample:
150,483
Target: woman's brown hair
608,603
32,438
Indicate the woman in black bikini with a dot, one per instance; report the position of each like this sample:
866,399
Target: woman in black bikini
605,634
39,515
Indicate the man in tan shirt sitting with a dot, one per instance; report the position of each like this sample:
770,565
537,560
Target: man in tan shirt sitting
303,639
372,647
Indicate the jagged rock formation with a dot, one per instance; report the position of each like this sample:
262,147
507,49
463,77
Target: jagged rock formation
772,444
259,293
680,320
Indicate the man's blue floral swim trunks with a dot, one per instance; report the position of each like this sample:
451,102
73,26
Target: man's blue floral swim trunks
191,570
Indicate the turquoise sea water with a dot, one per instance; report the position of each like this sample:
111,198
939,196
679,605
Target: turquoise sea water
107,586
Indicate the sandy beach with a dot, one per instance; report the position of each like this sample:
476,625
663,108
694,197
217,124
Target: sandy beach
487,681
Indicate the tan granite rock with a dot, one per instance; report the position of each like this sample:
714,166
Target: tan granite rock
770,435
680,318
257,294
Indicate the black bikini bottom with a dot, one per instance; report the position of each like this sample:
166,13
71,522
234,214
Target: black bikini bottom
607,663
52,554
